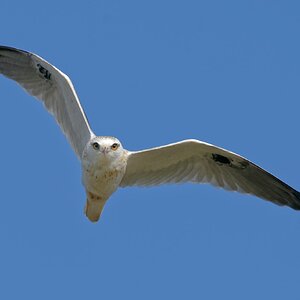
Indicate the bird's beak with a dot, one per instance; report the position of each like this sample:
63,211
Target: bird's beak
104,150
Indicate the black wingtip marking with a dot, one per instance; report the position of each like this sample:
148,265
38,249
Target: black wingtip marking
12,49
296,204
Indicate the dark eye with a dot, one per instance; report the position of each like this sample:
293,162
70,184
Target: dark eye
114,146
96,146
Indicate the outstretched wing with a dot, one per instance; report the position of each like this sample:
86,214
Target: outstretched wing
54,88
199,162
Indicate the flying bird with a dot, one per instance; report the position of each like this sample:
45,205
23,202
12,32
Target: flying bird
106,165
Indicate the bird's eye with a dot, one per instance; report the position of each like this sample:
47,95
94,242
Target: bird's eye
114,146
96,146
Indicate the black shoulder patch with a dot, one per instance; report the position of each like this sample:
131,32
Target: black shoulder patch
46,74
221,159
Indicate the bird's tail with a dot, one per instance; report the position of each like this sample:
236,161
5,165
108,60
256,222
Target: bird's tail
94,206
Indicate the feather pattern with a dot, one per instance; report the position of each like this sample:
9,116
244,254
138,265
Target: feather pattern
199,162
53,88
106,165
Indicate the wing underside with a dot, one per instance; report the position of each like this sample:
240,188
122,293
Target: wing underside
199,162
42,80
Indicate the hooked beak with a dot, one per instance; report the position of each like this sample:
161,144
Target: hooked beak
104,150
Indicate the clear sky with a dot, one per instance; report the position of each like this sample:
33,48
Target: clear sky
151,73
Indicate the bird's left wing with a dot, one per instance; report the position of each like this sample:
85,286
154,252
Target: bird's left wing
199,162
44,81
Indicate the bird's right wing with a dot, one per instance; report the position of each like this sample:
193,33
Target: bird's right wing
199,162
44,81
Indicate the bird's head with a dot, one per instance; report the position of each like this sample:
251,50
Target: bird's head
103,149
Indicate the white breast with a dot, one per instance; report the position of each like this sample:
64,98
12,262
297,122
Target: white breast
103,180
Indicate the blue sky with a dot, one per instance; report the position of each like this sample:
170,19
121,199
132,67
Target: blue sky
150,73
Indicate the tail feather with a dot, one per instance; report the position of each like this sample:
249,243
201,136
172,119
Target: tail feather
94,206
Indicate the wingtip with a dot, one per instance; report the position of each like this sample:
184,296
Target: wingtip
296,203
11,49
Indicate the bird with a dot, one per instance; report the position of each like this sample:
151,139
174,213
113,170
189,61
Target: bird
106,165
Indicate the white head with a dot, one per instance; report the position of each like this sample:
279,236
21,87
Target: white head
103,150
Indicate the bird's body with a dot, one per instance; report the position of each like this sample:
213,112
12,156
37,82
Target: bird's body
106,165
102,175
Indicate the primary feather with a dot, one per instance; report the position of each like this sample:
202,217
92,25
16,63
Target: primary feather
53,88
199,162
